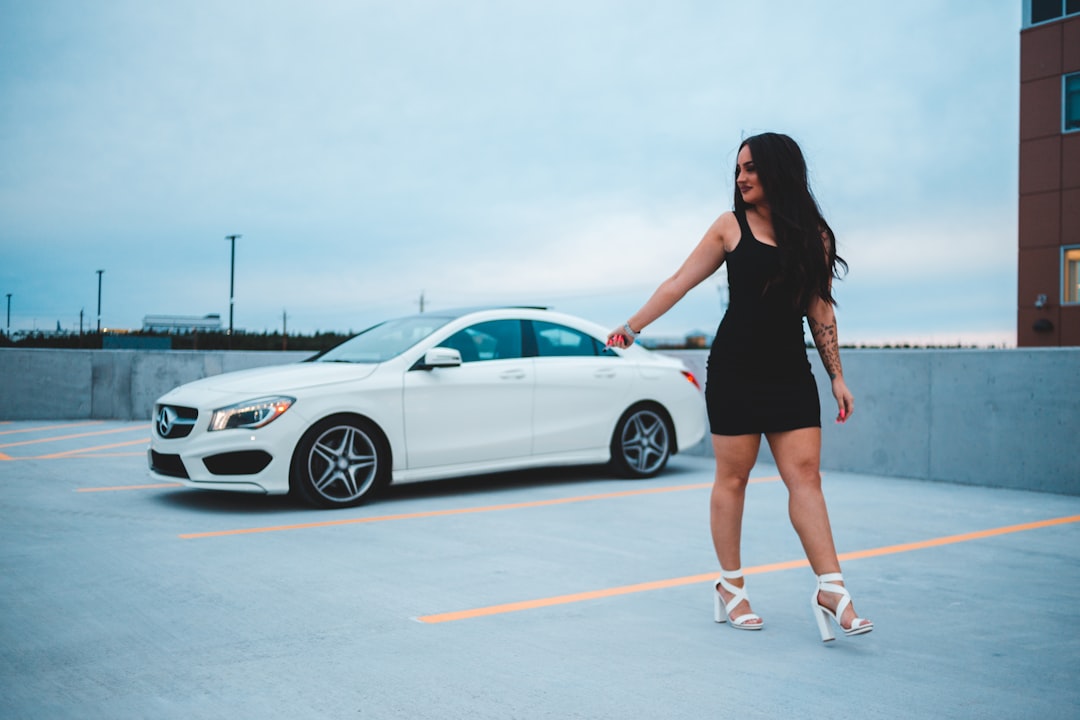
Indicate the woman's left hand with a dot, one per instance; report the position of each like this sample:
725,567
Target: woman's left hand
845,401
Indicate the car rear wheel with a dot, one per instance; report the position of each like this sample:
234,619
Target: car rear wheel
642,443
340,462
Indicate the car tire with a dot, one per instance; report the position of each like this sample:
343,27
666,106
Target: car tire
642,442
340,462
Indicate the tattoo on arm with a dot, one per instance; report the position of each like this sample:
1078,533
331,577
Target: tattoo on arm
827,345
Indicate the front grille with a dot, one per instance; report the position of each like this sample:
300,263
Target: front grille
166,464
242,462
174,421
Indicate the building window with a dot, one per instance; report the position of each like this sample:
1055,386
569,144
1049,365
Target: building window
1047,10
1070,102
1070,280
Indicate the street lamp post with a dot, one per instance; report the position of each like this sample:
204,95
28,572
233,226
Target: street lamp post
9,315
232,279
99,272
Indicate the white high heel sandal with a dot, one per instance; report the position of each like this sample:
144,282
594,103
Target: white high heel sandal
826,583
738,595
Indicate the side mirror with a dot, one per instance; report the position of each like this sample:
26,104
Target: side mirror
438,357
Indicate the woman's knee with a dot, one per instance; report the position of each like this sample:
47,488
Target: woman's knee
802,477
730,482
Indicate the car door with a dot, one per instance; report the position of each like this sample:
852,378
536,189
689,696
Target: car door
478,412
581,387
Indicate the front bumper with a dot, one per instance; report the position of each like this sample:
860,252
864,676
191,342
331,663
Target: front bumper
239,460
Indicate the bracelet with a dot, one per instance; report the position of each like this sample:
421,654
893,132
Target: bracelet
630,331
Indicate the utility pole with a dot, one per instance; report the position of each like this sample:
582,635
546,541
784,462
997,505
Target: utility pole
232,279
9,315
99,272
284,331
421,301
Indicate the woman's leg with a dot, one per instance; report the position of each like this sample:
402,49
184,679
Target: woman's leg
735,458
798,458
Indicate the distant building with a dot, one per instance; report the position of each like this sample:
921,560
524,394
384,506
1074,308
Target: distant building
1048,275
182,323
696,339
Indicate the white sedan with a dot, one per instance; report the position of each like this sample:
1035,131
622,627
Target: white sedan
435,395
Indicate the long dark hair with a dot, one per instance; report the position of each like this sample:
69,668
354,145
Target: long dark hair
801,231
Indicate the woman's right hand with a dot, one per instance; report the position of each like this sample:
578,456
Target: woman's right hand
618,338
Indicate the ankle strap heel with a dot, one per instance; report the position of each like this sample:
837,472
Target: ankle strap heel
828,583
722,610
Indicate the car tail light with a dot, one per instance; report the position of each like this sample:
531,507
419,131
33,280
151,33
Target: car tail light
693,380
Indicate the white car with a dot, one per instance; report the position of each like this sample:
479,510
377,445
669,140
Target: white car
435,395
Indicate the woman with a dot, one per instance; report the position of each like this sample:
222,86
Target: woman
781,257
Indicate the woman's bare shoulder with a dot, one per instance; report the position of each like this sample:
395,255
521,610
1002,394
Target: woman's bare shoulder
726,229
725,223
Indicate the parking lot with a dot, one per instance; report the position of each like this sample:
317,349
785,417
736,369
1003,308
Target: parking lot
541,594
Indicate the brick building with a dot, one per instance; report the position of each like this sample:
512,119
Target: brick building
1048,287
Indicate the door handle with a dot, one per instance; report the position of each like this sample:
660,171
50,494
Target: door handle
513,375
605,373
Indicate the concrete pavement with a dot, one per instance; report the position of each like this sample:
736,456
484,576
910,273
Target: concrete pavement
548,594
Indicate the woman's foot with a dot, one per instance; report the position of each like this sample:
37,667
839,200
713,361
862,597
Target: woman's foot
731,604
832,600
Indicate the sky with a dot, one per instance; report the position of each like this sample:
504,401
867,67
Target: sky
571,154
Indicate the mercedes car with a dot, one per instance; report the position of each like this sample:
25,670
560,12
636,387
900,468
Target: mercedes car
433,395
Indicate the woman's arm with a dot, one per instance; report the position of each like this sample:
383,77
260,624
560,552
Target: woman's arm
822,320
702,262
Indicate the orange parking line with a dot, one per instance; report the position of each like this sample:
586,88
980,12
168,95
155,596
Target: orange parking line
48,427
75,436
693,579
81,451
153,486
105,455
965,537
459,511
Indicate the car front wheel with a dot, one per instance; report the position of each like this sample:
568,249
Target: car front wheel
340,462
641,444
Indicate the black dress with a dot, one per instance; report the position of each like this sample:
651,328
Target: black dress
758,378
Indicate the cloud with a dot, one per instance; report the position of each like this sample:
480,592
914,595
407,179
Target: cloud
490,152
933,247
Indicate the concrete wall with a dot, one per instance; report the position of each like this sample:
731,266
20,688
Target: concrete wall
999,418
1002,418
109,384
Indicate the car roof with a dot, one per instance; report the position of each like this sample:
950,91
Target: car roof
455,313
527,311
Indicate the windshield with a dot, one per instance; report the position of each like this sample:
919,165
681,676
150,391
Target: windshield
384,341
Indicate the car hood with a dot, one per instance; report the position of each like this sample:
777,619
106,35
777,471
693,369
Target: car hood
278,379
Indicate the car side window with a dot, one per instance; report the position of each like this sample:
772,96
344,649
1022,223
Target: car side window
492,340
560,341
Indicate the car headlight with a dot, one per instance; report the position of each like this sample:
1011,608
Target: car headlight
251,413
